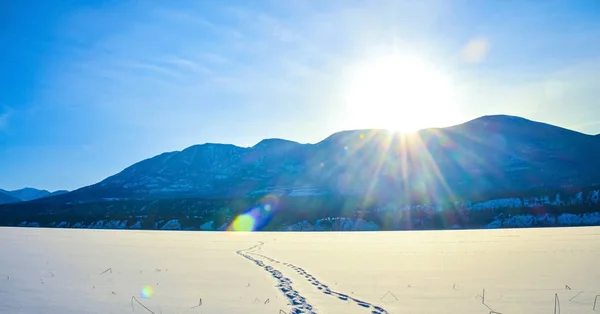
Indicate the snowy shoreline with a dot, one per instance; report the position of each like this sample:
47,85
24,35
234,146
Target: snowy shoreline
344,224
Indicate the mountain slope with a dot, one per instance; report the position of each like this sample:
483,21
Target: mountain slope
28,194
6,198
491,154
58,192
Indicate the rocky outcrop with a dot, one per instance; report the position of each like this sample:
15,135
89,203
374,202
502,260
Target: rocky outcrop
172,225
208,226
223,227
545,220
32,224
333,224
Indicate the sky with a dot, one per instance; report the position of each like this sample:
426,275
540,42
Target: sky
88,88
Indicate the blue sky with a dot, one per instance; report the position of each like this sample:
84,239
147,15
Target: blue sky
89,87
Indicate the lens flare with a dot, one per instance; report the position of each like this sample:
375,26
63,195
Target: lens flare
146,292
270,199
243,222
256,217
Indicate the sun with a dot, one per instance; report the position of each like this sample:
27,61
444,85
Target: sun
400,93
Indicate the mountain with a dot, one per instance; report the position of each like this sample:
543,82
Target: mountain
6,198
28,194
489,155
58,192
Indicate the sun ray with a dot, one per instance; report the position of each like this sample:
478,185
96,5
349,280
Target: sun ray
429,159
382,158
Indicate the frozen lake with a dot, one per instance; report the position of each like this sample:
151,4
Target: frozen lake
99,271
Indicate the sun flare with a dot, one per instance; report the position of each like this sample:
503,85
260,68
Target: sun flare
399,93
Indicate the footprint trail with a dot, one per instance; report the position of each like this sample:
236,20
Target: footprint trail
299,302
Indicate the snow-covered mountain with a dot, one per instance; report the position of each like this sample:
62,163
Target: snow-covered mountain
491,154
27,194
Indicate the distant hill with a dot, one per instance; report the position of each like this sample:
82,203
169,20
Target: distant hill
489,155
58,192
6,198
28,194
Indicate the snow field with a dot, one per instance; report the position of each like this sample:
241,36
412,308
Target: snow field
99,271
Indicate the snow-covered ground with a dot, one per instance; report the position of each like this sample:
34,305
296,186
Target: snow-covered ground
99,271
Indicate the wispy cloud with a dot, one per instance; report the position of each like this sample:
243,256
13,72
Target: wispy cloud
213,58
216,59
191,17
177,66
155,68
187,65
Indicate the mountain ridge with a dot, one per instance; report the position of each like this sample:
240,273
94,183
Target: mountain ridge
494,152
27,194
7,198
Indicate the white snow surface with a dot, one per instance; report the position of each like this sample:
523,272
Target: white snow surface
99,271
